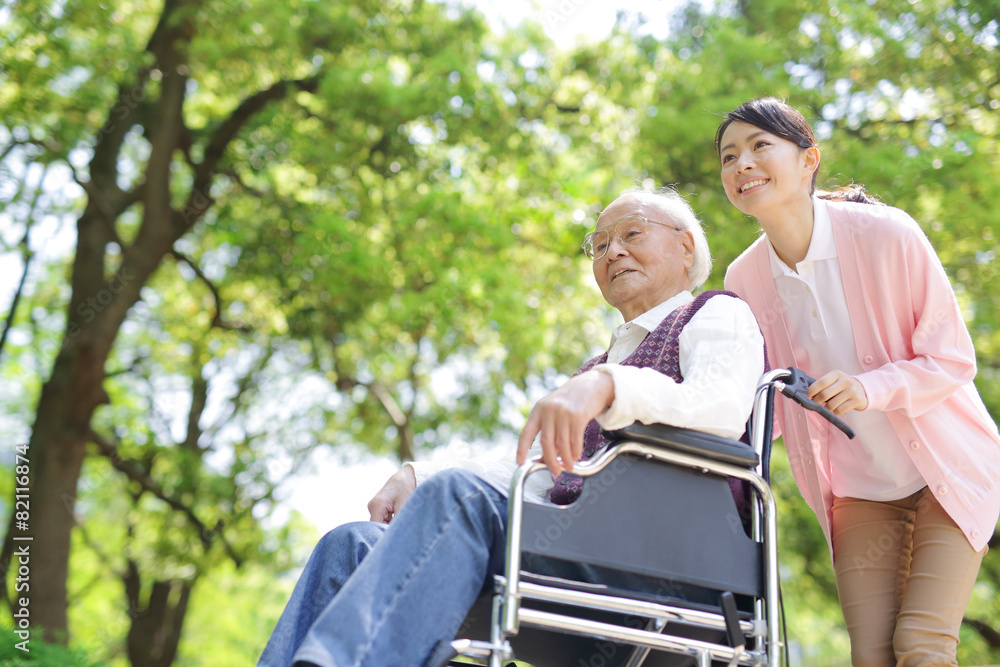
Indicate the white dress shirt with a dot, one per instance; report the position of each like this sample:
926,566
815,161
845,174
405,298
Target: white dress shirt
874,465
721,360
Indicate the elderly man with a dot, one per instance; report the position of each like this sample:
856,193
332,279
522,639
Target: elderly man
393,591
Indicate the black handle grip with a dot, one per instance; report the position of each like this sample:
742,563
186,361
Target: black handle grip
796,387
727,603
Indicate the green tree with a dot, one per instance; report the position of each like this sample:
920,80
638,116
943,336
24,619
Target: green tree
354,195
356,224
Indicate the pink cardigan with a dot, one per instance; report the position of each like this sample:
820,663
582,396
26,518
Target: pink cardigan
918,358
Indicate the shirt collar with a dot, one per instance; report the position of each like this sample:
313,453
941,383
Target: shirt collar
821,245
655,315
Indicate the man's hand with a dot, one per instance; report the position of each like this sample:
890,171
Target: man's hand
562,417
393,495
840,393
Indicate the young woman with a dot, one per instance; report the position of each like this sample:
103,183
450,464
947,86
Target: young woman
851,292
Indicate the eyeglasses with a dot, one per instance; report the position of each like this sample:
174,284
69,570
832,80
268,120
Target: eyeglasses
630,230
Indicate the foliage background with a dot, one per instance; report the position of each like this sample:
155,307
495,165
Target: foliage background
355,226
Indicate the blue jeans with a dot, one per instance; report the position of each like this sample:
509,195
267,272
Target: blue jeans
374,595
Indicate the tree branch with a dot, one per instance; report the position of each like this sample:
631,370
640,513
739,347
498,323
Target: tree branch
243,386
199,199
217,320
6,151
985,630
233,174
121,200
106,215
7,551
395,413
44,144
28,255
400,419
9,322
127,199
104,163
134,366
199,399
134,471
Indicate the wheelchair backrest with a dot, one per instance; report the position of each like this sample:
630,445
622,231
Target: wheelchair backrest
697,537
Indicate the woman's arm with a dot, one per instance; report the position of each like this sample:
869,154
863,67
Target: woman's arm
940,357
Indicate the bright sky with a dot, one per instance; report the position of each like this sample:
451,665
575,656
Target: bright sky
567,21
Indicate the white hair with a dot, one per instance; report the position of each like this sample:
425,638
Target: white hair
679,211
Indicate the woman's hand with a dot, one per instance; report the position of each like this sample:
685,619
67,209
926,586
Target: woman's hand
839,392
562,417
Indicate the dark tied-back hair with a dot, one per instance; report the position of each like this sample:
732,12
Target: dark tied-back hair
783,120
854,192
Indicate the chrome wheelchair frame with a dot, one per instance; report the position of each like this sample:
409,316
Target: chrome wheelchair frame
670,629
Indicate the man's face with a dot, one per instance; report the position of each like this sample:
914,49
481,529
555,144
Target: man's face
636,278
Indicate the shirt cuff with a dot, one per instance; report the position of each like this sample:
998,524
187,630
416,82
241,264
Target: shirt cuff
613,417
869,384
424,469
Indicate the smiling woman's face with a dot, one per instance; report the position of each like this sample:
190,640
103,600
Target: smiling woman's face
762,172
636,278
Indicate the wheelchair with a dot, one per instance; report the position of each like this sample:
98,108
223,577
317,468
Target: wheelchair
667,570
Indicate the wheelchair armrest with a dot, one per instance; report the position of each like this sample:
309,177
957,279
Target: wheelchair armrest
688,441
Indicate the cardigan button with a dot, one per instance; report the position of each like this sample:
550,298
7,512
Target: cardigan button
869,359
975,534
914,445
942,490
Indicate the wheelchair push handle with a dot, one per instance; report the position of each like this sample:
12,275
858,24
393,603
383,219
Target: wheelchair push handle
795,386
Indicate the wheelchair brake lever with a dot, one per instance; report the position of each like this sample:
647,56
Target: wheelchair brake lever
796,385
727,604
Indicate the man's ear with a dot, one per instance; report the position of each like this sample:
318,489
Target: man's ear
687,241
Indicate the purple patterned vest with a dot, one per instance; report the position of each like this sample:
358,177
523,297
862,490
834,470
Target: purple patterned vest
659,350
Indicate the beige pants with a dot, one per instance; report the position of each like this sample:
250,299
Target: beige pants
904,574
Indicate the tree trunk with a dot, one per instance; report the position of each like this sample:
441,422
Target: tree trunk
156,628
56,466
56,450
98,306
